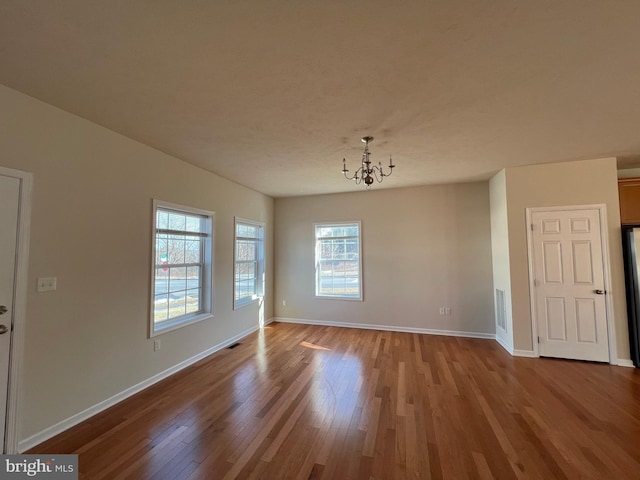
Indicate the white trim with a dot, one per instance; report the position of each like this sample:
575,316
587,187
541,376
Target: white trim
608,299
63,425
19,308
504,344
390,328
606,264
532,288
624,362
360,297
261,264
525,353
207,286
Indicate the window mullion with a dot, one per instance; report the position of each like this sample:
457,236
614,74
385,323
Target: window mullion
178,265
181,233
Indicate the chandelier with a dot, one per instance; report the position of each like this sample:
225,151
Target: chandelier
367,172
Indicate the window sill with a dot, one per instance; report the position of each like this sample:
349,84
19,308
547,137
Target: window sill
244,303
330,297
179,323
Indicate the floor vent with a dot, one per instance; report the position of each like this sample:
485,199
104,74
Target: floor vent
231,347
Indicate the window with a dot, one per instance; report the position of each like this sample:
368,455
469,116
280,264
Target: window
338,266
182,266
248,282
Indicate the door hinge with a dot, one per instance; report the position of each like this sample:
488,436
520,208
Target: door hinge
532,227
535,282
538,339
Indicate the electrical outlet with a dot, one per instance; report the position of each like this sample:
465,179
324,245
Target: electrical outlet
156,345
441,310
447,311
284,303
47,284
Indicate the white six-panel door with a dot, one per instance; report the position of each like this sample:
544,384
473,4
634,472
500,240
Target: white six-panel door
569,286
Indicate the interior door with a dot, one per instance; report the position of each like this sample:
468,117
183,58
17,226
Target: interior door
569,288
9,205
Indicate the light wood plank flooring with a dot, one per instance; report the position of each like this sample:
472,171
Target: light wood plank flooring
309,402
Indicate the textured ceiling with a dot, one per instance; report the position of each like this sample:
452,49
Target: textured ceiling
273,94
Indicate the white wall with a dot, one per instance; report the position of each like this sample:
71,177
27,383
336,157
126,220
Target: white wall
423,248
500,253
91,228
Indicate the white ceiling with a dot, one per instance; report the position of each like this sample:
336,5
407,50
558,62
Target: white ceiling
273,94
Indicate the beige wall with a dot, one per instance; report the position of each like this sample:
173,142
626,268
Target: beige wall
91,228
500,252
423,248
556,184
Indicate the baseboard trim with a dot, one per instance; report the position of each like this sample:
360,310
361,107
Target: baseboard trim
624,362
389,328
504,345
63,425
621,362
525,353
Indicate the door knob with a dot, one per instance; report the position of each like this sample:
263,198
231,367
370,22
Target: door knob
3,329
3,309
599,292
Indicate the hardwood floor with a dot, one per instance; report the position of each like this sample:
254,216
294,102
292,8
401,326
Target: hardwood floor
296,401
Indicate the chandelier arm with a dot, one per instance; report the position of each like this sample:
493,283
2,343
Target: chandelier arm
387,174
347,176
357,176
391,167
378,174
345,171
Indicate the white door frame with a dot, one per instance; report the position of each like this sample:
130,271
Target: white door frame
604,236
19,307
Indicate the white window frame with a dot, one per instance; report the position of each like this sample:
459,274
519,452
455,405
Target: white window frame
238,303
316,259
206,311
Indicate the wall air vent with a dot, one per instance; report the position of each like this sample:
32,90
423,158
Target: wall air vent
501,310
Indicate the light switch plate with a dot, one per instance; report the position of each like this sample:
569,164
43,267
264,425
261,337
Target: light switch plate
47,284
